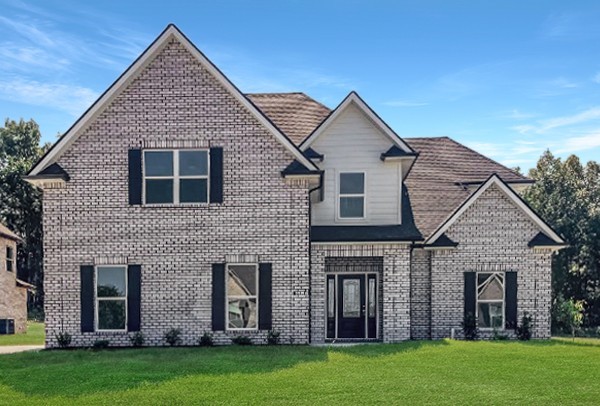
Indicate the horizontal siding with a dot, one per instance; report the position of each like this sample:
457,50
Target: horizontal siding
353,143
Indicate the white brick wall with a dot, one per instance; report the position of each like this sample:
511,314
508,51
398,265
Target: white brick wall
175,101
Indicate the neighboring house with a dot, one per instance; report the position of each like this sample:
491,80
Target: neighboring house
13,292
176,201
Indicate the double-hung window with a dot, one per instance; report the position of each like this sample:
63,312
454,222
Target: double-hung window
351,202
242,297
490,300
10,259
111,298
176,176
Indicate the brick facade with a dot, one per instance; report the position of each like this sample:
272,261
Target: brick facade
175,103
13,299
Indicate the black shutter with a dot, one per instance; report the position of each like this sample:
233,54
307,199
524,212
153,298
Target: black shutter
216,175
265,297
470,293
134,297
218,297
510,281
87,298
135,176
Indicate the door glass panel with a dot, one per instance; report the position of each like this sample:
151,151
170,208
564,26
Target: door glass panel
351,306
331,297
371,297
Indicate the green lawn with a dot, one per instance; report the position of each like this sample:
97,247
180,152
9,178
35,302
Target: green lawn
447,372
34,336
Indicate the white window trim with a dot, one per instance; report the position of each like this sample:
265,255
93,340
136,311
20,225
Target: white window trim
97,300
340,195
176,177
227,297
490,301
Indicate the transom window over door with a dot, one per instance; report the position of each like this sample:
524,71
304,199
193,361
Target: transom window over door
242,297
351,202
176,176
111,298
490,300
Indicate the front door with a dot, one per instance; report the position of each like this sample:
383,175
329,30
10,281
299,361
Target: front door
352,306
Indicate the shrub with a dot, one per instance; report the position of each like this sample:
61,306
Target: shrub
206,340
64,339
524,330
172,337
497,336
100,344
137,339
469,327
242,340
273,337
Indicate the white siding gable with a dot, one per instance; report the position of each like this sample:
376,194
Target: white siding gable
352,143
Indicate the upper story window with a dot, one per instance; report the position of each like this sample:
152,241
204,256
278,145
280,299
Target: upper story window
10,259
242,297
176,176
111,298
352,195
490,300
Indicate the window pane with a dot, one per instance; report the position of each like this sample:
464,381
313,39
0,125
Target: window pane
372,302
351,307
158,163
352,183
193,190
351,207
159,191
490,314
491,288
111,315
111,282
193,163
242,280
331,297
242,313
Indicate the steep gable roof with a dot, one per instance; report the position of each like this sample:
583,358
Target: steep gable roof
137,67
494,179
296,114
442,178
6,233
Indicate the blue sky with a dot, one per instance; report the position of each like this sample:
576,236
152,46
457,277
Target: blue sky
508,78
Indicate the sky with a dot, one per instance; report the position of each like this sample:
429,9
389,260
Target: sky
509,79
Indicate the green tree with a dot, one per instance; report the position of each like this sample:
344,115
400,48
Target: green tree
571,313
21,207
567,195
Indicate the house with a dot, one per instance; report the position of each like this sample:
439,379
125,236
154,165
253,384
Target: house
13,291
177,201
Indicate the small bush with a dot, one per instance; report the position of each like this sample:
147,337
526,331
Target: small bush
64,339
469,327
524,330
206,340
100,344
137,339
497,336
273,337
242,340
173,337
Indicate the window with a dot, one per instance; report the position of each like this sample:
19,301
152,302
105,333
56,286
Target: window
242,297
176,176
10,259
352,195
490,300
111,298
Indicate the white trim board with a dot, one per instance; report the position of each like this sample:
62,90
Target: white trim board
171,32
354,98
508,192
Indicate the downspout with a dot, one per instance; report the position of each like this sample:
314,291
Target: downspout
310,191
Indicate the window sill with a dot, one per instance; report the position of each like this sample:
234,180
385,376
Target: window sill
175,206
111,332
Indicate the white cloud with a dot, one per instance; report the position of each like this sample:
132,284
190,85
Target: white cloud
579,143
71,99
544,126
596,78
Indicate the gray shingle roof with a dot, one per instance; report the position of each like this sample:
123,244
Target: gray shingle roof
296,114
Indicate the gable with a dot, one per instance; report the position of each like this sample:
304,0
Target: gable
170,34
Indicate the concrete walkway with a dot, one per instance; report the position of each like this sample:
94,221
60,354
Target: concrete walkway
13,349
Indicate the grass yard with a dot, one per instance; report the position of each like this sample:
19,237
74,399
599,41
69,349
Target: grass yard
442,372
34,336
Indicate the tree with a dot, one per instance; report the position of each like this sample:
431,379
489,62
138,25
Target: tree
571,313
567,195
21,204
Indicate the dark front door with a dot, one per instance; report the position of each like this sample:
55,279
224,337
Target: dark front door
351,306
